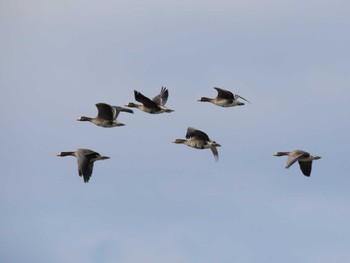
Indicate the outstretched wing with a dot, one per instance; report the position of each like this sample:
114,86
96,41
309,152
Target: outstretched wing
86,164
295,156
145,101
84,167
215,152
193,133
305,167
162,97
117,109
88,172
224,94
237,96
105,111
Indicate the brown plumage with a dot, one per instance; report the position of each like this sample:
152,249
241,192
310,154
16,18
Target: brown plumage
107,115
199,140
85,159
304,159
154,106
224,98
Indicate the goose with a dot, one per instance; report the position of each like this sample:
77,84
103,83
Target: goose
107,115
86,159
199,140
154,106
304,159
224,99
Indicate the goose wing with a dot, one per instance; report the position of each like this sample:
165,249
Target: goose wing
305,167
215,152
105,111
85,165
193,133
224,94
295,156
145,101
237,96
117,109
162,97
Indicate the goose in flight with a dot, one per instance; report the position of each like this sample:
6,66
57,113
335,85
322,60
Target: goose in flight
85,159
107,115
304,159
154,106
199,140
225,99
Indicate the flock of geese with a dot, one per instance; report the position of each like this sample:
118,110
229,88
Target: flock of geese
108,114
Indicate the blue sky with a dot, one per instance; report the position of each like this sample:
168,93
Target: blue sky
155,201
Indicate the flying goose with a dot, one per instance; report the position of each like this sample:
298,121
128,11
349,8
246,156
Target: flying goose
86,159
199,140
154,106
107,115
225,99
304,159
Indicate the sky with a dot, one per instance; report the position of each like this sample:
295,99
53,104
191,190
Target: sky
155,201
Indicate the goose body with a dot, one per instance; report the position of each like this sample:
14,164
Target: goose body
85,159
199,140
303,158
107,115
154,106
224,99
